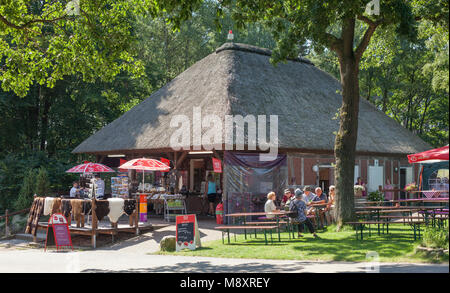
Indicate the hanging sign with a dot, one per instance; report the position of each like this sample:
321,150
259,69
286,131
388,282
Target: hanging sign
187,234
58,232
143,208
165,161
217,165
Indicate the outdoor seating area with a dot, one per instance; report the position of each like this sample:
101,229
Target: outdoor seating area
411,214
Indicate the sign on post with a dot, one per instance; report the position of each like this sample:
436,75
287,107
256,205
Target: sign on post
58,232
143,208
217,165
187,234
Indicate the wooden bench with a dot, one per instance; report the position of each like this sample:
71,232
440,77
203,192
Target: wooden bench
361,225
226,229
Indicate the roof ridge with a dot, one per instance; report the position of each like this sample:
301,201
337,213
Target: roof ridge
256,50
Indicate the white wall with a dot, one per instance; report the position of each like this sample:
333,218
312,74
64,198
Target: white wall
375,177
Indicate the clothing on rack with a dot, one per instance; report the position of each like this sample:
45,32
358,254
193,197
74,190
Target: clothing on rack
37,209
66,208
56,208
115,209
101,209
77,209
129,206
48,205
87,206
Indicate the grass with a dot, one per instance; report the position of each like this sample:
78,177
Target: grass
397,246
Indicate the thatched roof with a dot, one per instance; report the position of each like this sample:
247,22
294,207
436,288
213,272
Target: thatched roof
239,79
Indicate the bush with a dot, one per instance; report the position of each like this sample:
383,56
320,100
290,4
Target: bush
435,238
42,183
375,196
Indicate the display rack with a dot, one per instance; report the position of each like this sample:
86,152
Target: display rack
173,203
119,186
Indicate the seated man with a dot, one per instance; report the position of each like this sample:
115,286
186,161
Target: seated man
321,198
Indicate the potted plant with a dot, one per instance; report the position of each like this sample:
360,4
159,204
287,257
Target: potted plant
411,187
358,189
376,196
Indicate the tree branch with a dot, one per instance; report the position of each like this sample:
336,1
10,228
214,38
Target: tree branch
367,35
27,24
334,43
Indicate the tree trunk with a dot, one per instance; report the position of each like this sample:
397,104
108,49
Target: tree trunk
44,120
345,144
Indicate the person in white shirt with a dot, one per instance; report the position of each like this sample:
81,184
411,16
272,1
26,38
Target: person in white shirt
74,190
99,187
270,206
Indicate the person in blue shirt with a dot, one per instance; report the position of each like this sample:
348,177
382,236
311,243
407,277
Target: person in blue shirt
299,205
211,193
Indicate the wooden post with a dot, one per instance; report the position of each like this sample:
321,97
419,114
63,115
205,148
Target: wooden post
6,224
136,216
94,225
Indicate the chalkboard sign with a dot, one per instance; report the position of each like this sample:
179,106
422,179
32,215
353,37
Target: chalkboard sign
185,232
58,232
187,235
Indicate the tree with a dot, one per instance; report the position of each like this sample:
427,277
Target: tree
40,41
42,183
332,24
26,192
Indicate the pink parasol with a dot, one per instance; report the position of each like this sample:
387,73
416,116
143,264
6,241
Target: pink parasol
144,164
88,167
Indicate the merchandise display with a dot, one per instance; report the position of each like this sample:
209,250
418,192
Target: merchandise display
119,186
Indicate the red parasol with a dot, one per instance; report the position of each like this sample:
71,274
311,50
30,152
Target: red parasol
431,156
88,167
145,164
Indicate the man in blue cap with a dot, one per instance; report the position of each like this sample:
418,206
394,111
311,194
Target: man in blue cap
300,206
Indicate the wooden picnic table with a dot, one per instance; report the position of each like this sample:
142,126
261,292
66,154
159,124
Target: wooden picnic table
378,210
276,215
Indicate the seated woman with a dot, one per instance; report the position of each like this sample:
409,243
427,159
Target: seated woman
270,206
329,210
299,206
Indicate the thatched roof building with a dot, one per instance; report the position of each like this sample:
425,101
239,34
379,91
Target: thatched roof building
238,79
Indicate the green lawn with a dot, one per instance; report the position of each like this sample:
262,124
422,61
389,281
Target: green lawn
332,246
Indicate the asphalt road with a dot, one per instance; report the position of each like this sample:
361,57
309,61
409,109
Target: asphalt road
38,261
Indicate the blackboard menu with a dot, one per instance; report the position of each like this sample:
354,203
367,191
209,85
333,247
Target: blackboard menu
185,232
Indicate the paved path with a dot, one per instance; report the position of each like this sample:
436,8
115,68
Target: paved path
133,256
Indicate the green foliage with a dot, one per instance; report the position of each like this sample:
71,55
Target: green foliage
40,42
42,183
13,168
435,238
26,192
375,196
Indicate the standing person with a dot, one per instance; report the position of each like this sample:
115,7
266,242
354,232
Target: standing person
300,206
388,194
360,182
75,190
99,187
270,206
211,193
